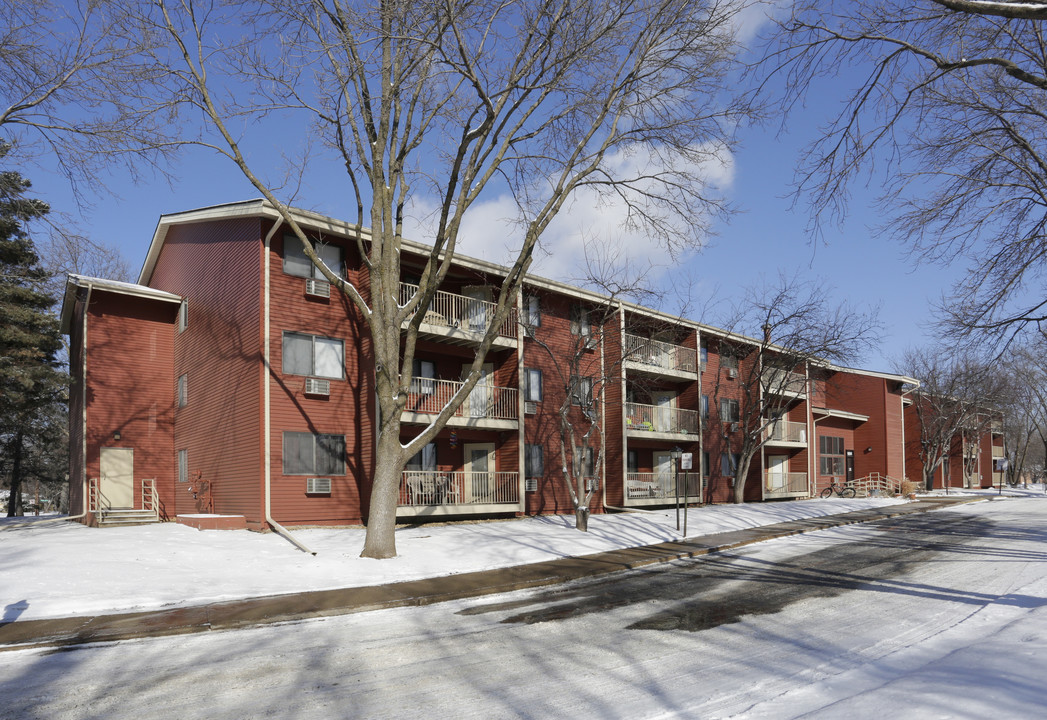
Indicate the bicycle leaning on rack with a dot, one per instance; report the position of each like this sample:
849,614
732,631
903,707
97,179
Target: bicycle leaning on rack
841,490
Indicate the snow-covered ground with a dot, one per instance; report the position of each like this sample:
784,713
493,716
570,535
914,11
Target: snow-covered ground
59,569
962,633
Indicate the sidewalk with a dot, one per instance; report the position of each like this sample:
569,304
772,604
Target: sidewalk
57,632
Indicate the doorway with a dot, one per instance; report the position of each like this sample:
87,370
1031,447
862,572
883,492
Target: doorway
479,472
777,473
117,478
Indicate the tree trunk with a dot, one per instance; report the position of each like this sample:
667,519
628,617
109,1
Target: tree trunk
740,474
14,501
380,541
581,516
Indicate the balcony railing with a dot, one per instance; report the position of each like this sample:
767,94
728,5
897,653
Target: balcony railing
781,382
429,488
661,418
460,312
777,483
786,431
657,354
428,396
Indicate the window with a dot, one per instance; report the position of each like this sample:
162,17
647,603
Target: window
830,451
183,316
583,461
705,407
424,461
729,362
729,410
704,354
532,311
423,372
729,463
183,466
534,461
310,454
705,464
296,263
581,391
580,321
183,390
313,355
632,462
532,385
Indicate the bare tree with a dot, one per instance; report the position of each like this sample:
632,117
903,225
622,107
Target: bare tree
956,403
792,326
453,100
1024,408
949,108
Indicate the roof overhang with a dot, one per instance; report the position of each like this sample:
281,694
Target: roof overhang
841,414
114,286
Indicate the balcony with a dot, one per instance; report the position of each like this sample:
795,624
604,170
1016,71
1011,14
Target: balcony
426,492
487,407
660,422
460,319
789,384
784,485
657,488
659,359
786,433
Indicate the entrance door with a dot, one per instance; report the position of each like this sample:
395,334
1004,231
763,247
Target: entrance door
479,472
663,413
481,400
663,474
117,478
849,459
777,473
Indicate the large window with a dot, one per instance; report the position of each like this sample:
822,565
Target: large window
313,355
423,371
705,407
830,452
728,361
580,321
534,461
424,461
705,463
729,410
581,391
583,461
311,454
532,385
296,263
729,463
532,311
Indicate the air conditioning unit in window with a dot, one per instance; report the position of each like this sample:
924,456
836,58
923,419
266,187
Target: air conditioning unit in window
531,485
530,408
734,427
732,372
318,486
316,386
318,288
591,342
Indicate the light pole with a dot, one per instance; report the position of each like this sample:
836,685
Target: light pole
675,454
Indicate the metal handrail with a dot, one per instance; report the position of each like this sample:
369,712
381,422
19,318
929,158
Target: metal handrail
661,418
660,354
428,396
428,488
461,312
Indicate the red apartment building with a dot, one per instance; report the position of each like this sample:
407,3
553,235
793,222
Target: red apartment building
230,381
974,457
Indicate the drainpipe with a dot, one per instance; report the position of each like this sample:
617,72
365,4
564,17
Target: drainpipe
267,423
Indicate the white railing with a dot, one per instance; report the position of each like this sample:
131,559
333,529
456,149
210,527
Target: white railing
776,483
661,418
782,382
460,312
427,488
428,396
877,484
786,431
660,486
149,495
660,354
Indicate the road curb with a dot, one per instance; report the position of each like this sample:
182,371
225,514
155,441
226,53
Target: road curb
254,612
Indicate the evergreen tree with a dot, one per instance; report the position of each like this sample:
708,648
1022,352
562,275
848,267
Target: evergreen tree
32,383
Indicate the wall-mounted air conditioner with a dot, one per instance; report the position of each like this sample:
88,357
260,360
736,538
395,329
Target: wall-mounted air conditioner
316,386
318,288
530,408
531,485
732,372
318,486
734,427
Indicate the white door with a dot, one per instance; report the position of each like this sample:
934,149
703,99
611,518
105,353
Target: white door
479,472
777,472
481,400
476,307
117,478
663,413
663,473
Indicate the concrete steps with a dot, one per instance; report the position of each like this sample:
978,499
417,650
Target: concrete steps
122,518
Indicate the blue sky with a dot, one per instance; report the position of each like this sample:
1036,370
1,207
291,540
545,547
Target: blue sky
767,238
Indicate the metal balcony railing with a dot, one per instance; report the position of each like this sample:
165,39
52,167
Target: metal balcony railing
428,396
460,312
777,483
659,354
786,431
430,488
661,418
781,382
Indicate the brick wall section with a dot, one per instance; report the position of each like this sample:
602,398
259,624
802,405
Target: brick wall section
216,267
130,388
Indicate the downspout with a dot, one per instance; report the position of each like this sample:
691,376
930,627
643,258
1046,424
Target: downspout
266,410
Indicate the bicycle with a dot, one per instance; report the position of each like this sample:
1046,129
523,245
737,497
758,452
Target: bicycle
841,490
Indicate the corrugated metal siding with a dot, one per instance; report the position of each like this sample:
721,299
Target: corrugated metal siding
216,267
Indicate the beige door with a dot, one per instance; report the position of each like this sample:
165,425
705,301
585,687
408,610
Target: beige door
663,474
481,400
117,481
479,472
664,412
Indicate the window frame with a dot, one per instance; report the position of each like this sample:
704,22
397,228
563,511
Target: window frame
725,467
182,390
529,386
580,324
534,454
578,383
183,316
182,465
316,440
730,410
532,311
292,241
313,338
828,458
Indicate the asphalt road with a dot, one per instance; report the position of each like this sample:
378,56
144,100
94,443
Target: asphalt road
852,622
